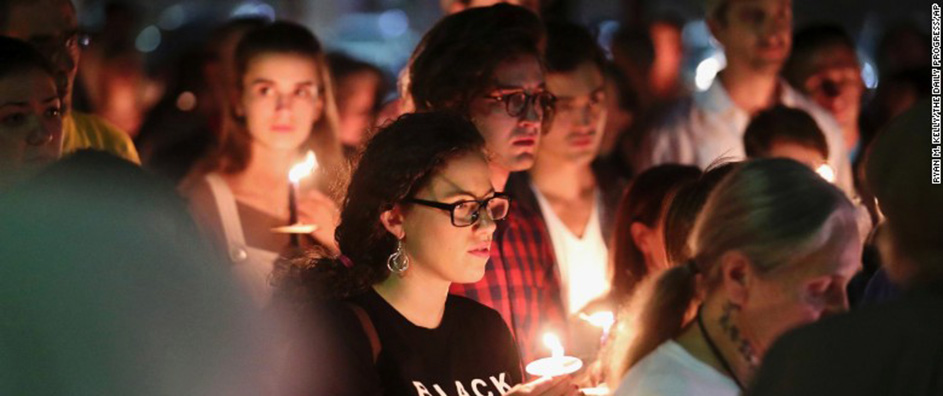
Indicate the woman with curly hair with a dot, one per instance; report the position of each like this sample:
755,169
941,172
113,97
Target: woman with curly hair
420,215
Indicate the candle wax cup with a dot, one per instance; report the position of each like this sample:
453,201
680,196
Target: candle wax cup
554,366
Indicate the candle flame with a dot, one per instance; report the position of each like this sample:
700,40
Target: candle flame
553,342
826,172
303,169
603,319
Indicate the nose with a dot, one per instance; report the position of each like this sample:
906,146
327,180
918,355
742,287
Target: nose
282,102
485,223
837,304
531,115
831,89
40,135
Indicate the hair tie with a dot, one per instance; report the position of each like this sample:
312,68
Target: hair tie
346,261
692,266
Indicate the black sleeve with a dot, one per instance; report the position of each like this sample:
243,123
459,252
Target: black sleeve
337,356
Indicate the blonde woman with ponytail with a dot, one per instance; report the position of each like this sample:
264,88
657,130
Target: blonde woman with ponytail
774,248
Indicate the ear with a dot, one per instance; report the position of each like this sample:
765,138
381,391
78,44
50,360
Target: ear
393,221
716,28
640,236
737,275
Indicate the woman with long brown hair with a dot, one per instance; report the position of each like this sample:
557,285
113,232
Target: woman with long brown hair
285,108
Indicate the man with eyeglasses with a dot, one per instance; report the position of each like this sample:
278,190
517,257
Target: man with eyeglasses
485,63
756,36
52,27
577,201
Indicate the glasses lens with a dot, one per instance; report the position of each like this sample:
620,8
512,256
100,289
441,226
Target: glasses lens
516,103
465,213
498,207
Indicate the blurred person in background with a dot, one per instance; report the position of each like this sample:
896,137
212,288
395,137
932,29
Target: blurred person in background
486,64
576,203
665,75
639,240
824,65
783,132
773,249
454,6
286,107
108,289
188,123
52,27
359,88
756,36
30,113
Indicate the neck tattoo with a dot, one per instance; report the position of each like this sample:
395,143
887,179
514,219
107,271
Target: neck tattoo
733,333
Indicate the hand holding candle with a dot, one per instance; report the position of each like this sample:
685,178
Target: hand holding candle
557,364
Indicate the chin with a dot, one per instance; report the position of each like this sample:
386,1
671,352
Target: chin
522,162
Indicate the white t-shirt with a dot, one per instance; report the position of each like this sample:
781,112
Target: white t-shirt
708,126
582,263
671,371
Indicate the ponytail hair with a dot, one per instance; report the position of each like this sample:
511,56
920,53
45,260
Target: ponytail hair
775,211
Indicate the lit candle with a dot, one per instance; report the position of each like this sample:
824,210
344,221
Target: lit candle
826,171
557,364
299,171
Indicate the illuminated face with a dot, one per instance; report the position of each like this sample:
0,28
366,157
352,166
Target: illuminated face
30,125
801,293
756,33
438,248
281,100
580,113
52,27
512,140
833,80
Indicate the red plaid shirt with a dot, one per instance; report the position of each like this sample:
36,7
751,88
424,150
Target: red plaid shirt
521,282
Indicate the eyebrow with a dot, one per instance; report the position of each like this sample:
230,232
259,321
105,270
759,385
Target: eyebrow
462,193
25,104
505,87
268,81
601,89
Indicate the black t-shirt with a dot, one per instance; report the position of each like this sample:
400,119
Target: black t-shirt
472,352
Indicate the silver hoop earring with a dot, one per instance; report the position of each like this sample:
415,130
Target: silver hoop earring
398,262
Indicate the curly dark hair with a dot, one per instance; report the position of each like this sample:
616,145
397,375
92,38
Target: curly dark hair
397,162
455,60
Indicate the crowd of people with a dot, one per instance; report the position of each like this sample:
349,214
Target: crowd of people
522,187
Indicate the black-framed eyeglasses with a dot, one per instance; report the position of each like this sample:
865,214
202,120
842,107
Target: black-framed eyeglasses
467,212
516,103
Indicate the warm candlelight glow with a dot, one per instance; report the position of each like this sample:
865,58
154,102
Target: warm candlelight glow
826,172
303,169
603,319
553,342
555,365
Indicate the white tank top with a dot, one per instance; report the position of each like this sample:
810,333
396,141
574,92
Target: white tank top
251,266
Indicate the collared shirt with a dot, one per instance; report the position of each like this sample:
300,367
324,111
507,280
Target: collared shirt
520,281
708,126
85,131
